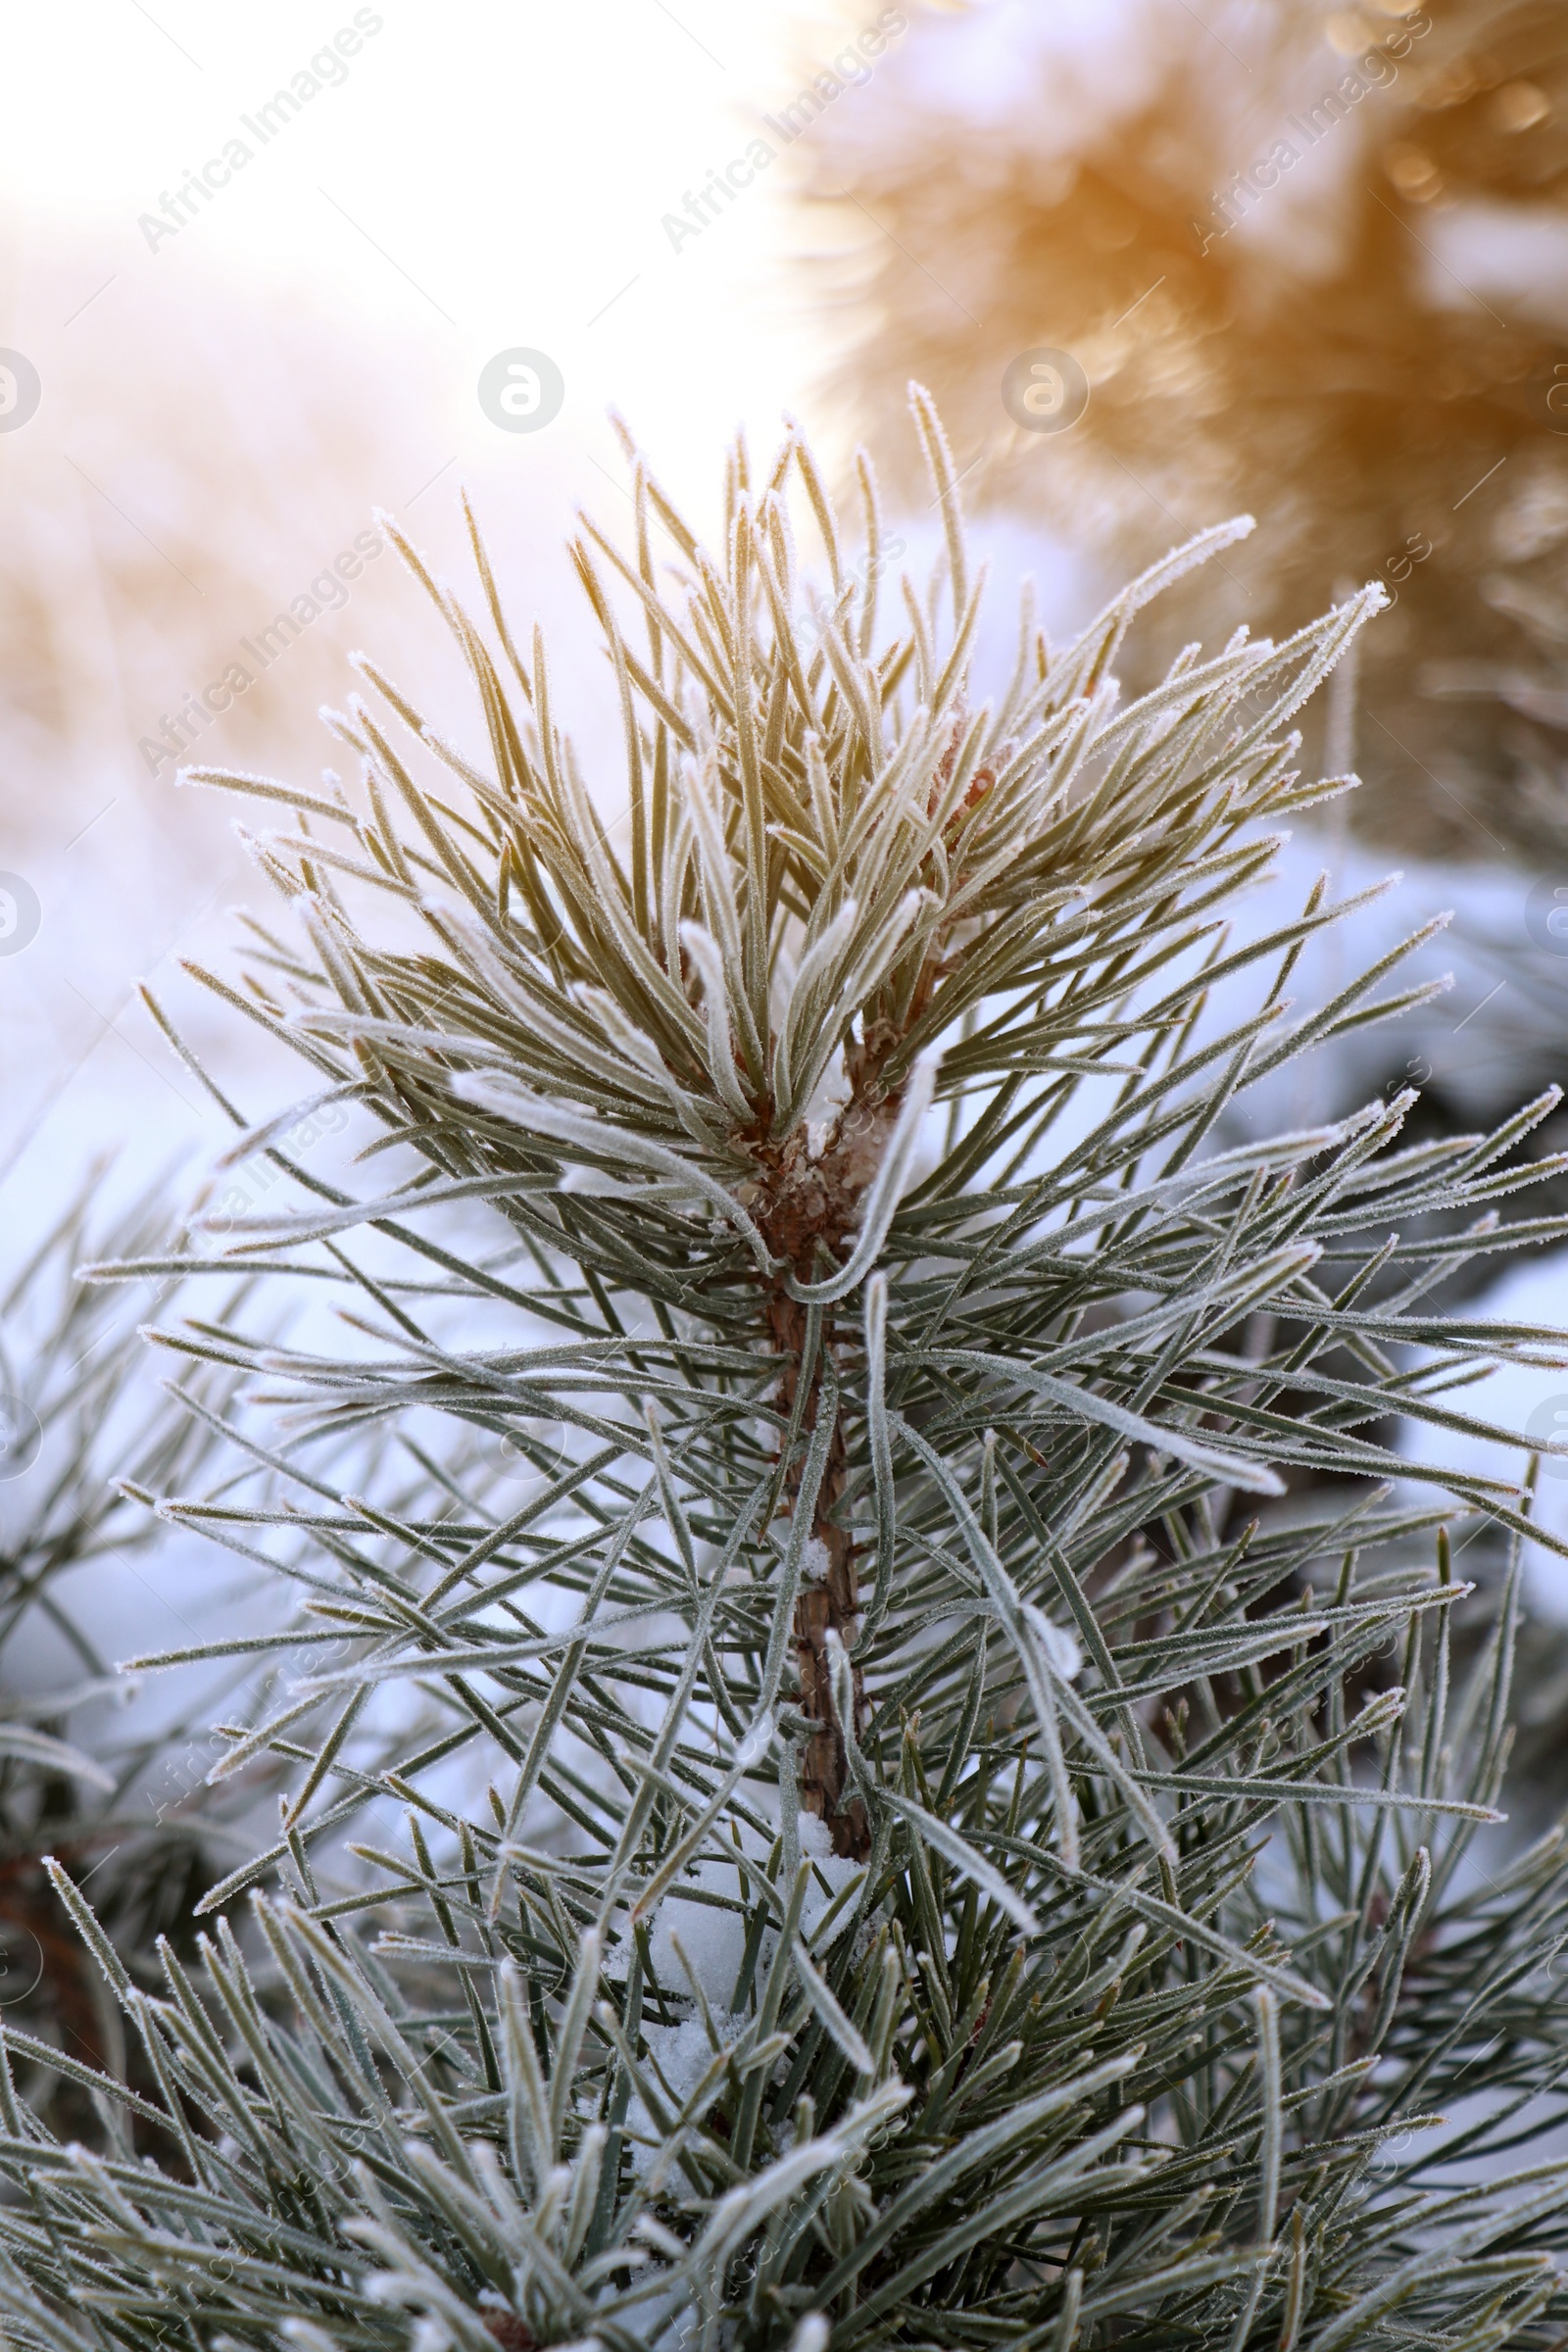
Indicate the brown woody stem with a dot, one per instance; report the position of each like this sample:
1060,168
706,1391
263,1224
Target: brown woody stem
825,1604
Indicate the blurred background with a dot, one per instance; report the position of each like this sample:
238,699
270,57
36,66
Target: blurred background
267,274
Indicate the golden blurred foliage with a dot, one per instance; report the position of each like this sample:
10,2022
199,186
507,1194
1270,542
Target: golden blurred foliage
197,462
1312,266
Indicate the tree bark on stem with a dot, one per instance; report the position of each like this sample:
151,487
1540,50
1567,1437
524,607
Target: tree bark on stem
826,1603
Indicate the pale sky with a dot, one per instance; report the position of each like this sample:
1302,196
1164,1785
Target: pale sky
479,176
486,174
